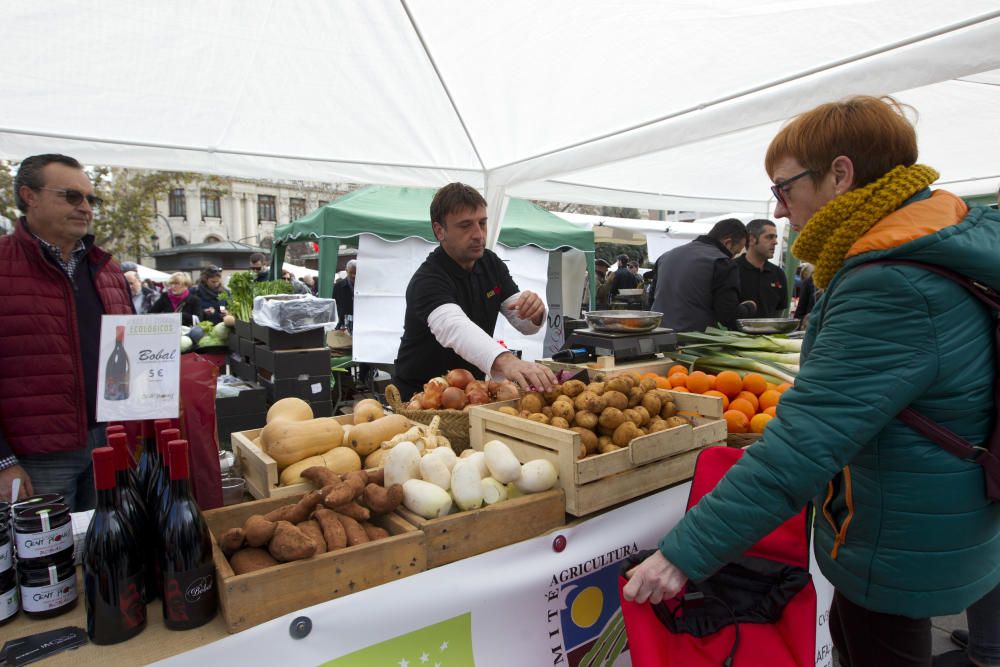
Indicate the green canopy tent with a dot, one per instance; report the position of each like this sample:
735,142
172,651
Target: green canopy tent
393,214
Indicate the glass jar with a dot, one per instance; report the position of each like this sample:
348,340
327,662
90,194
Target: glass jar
43,533
43,499
48,590
8,597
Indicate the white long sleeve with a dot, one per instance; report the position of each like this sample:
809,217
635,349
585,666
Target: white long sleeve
453,329
525,326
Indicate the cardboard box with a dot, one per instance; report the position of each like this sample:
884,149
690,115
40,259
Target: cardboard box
249,599
246,350
322,407
244,329
228,425
649,463
285,364
281,340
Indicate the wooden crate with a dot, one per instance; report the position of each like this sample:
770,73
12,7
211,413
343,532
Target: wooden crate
659,365
463,534
649,463
249,599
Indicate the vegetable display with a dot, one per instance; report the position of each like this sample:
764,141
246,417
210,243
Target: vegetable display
458,390
244,286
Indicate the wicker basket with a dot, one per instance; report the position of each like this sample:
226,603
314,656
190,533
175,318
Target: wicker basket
454,424
742,440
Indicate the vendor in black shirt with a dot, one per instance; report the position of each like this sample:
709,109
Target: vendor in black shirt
453,300
761,281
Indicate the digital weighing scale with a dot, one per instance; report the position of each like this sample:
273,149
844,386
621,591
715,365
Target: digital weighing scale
624,346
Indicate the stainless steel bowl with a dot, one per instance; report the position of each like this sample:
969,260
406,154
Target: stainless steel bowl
768,325
624,321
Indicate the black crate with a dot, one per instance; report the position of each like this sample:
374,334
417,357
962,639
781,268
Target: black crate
307,387
280,340
323,408
244,329
242,369
233,342
249,401
291,363
226,426
247,350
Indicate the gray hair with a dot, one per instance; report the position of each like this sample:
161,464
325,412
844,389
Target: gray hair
351,264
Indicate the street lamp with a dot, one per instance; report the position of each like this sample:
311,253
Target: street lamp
155,241
169,228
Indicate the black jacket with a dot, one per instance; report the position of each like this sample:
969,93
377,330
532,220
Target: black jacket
343,294
188,308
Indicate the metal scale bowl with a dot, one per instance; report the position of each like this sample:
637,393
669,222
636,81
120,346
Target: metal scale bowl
624,334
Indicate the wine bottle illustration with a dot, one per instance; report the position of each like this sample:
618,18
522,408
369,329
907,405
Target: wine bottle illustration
116,374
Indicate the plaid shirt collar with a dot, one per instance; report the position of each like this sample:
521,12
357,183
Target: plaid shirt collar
75,257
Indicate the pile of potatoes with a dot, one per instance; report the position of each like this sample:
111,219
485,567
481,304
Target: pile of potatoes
608,415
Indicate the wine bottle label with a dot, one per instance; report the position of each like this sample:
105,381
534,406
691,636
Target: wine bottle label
46,598
45,543
8,603
191,595
6,557
127,609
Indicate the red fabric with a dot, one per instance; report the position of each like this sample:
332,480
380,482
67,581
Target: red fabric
198,428
788,643
43,402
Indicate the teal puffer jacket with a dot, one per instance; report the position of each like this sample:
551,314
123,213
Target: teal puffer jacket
917,535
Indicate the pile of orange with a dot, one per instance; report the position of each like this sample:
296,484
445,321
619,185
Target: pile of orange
748,402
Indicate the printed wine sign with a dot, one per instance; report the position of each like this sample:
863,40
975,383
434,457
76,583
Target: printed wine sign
138,375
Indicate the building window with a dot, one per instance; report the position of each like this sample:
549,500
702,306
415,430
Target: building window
211,204
178,203
296,208
212,238
267,243
180,240
266,210
322,203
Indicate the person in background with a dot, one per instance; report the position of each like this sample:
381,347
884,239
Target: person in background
807,294
903,530
55,285
298,287
623,277
343,294
309,281
603,300
761,281
212,295
633,267
142,297
179,298
698,283
259,267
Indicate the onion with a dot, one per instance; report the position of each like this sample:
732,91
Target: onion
430,401
436,385
478,397
507,391
459,377
476,385
453,398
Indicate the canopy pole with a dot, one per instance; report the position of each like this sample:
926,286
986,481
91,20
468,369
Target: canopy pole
328,253
496,208
592,277
277,260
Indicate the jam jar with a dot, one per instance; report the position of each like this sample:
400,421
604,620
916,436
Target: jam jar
6,546
42,533
48,590
8,596
43,499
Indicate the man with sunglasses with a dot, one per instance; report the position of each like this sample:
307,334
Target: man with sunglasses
55,285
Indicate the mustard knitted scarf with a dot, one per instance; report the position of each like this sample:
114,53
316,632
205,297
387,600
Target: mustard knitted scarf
832,230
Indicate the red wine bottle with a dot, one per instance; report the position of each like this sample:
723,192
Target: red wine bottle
113,569
116,372
159,482
190,598
133,508
149,458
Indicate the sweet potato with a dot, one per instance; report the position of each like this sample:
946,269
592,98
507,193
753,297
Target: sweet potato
251,559
381,500
289,543
376,476
298,512
258,530
231,541
315,533
357,479
374,532
333,530
321,476
355,533
337,494
354,510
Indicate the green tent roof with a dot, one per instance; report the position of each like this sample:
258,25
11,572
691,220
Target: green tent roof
393,213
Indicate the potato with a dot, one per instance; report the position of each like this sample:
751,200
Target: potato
611,418
595,403
615,399
573,388
656,425
547,411
619,384
583,451
677,421
668,410
607,448
643,415
596,387
605,430
585,419
532,402
603,440
652,403
625,433
635,396
508,410
551,396
632,416
583,399
538,417
367,410
559,422
563,409
588,439
647,384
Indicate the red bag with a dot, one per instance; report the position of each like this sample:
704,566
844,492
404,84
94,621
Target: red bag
198,377
768,594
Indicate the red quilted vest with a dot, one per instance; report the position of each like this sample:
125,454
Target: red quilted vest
42,397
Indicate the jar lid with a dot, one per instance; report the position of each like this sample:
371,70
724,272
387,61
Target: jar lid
33,513
41,499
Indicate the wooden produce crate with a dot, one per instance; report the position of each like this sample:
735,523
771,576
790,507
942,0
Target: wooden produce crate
650,462
249,599
659,365
463,534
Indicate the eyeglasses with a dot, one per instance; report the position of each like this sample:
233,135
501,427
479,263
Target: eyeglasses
74,197
780,189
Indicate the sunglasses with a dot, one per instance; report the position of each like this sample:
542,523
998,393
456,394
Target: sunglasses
74,197
780,189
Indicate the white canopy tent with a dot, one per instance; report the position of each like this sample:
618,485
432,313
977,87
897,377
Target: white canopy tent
666,104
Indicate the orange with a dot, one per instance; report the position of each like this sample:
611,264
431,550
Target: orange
711,381
736,421
754,383
662,382
681,388
759,423
649,374
729,383
749,398
719,394
769,399
698,383
743,406
678,380
773,411
784,386
677,368
770,385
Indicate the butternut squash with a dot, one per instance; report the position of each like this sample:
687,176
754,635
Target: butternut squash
367,410
367,437
338,459
293,409
289,442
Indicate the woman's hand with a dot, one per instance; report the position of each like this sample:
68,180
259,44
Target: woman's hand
653,580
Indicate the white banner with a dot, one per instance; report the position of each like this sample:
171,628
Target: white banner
139,372
529,268
526,604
